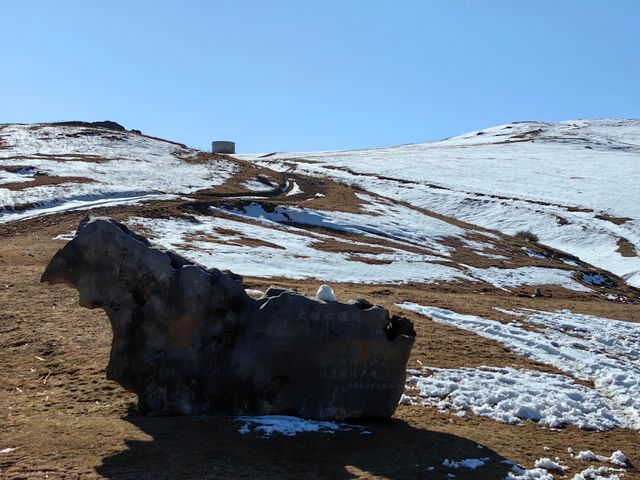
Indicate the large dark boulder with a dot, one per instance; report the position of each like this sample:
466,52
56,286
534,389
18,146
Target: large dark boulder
189,340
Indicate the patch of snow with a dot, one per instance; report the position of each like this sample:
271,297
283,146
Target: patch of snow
253,293
258,186
19,176
511,395
598,473
514,277
533,253
549,464
475,245
467,463
66,237
491,255
325,293
80,203
589,456
573,263
616,458
603,351
295,190
290,426
616,338
519,473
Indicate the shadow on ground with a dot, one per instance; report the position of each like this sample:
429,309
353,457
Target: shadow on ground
212,448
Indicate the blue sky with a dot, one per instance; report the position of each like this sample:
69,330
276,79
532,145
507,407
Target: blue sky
312,75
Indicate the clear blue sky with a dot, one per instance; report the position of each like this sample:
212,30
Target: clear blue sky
310,75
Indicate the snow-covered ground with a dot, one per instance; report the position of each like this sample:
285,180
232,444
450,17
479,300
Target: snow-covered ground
381,219
119,166
288,252
599,350
288,249
511,395
562,181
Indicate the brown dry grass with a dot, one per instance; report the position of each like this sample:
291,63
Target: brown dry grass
78,157
40,180
67,421
626,248
613,219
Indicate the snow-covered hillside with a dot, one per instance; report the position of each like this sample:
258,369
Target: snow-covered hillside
516,339
575,184
88,167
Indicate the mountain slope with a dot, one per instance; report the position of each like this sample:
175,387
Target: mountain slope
48,168
523,350
574,184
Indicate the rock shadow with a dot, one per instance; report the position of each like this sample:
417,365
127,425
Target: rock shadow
211,447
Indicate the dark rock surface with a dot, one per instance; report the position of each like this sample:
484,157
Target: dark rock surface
108,124
189,340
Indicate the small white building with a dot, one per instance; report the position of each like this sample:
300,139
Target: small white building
223,146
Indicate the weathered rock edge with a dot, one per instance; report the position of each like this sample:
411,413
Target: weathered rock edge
189,340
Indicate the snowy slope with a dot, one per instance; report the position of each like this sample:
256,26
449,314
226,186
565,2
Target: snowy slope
47,168
414,252
114,167
600,350
575,184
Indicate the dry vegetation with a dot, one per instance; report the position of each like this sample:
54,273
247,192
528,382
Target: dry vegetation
65,420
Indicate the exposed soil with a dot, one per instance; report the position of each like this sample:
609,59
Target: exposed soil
626,248
40,180
612,219
78,157
65,420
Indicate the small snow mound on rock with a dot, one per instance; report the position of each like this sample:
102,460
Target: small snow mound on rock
253,293
325,293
